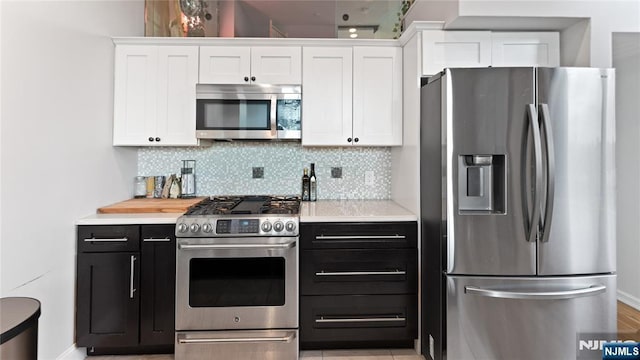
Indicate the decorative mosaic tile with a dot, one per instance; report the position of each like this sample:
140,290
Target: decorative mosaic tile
226,168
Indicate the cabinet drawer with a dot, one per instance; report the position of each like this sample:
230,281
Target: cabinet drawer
333,321
361,271
103,238
378,235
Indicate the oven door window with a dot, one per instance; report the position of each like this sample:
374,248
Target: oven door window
225,282
233,114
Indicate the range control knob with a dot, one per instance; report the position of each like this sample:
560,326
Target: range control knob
278,226
206,227
194,227
182,227
290,226
266,226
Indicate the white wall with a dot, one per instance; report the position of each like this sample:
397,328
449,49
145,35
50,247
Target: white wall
626,60
57,161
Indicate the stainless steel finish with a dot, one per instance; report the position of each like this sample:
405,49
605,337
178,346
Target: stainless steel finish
194,227
132,289
532,235
278,226
536,295
481,327
288,338
241,344
550,156
187,221
107,240
290,226
359,320
581,237
224,318
156,240
206,227
249,92
359,273
356,237
484,112
286,245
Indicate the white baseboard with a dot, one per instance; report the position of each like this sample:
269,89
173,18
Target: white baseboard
629,300
73,353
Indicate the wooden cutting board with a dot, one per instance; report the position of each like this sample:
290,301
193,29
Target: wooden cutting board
133,206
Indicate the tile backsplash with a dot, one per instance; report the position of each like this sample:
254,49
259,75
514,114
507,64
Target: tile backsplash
227,168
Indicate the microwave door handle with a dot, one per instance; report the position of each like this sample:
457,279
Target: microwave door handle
274,120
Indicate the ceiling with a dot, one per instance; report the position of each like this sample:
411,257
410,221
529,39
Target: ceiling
321,18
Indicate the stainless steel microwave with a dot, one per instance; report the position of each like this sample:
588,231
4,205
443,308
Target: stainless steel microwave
248,111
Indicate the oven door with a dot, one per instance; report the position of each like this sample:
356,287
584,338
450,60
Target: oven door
237,283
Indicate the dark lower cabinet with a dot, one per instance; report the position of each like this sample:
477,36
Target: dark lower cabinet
358,285
157,288
107,310
125,289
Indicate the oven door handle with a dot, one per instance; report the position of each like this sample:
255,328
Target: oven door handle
287,338
287,245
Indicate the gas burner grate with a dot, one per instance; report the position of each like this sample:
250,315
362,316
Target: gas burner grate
252,204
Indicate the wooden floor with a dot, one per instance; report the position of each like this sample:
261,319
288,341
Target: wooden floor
628,322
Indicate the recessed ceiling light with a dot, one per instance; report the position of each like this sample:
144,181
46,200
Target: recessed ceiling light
353,36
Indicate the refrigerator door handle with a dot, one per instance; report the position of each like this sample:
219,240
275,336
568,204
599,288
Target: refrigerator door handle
551,172
537,148
536,295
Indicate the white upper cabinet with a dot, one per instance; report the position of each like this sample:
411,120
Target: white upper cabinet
442,49
377,96
525,49
352,96
154,95
245,65
327,95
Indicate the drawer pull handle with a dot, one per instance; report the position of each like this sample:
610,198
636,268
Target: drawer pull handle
358,237
157,240
358,273
287,338
350,320
124,239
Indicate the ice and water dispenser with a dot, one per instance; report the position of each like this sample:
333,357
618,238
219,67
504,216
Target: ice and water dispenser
481,184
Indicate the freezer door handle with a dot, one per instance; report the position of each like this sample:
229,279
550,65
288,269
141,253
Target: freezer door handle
551,172
536,295
537,147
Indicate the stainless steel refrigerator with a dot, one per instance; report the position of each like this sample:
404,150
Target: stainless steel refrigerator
518,212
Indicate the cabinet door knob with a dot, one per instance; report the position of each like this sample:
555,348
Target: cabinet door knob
150,138
246,78
158,139
253,78
348,139
354,140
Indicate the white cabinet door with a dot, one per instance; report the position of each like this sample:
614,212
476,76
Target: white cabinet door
176,104
225,64
135,85
327,95
454,49
276,65
525,49
377,96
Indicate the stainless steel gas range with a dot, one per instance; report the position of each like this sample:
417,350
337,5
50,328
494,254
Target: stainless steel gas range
237,279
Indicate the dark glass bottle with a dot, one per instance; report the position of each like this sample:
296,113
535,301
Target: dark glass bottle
313,185
305,185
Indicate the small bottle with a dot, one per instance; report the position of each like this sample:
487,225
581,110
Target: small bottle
305,185
313,187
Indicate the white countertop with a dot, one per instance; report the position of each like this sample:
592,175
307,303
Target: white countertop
354,211
317,211
129,219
